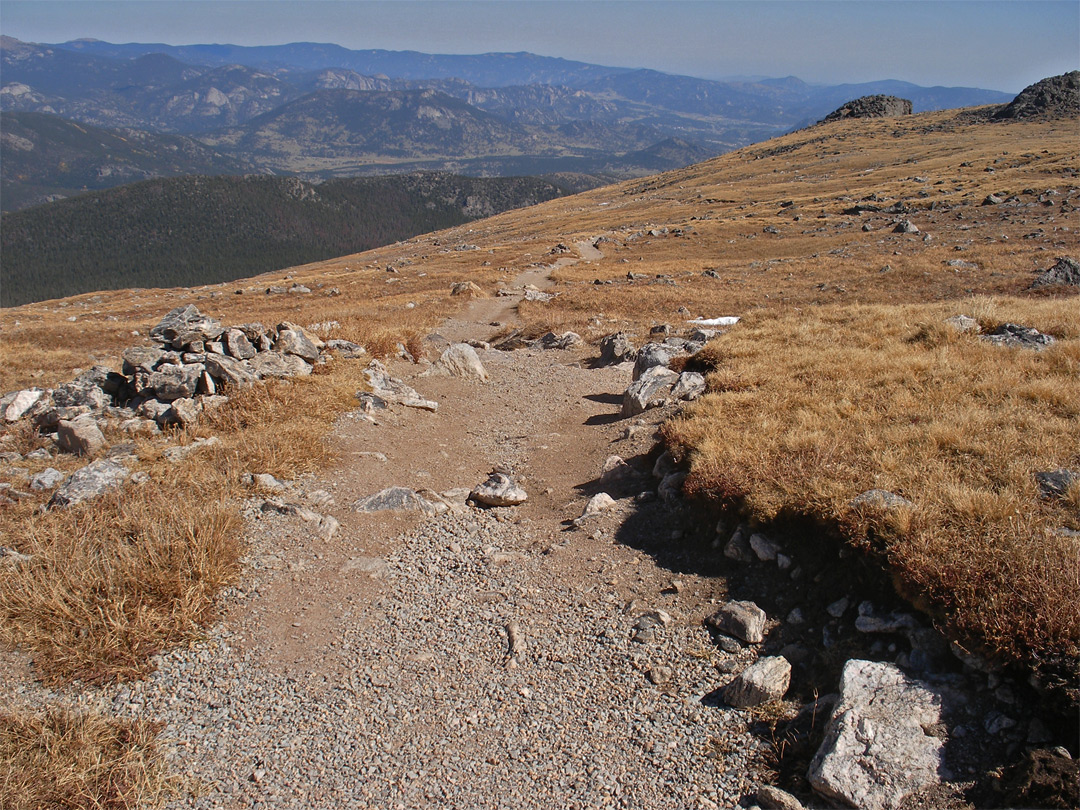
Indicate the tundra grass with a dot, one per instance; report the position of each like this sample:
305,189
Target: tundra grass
808,410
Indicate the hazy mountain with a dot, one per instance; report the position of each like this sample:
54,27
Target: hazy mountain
203,230
43,157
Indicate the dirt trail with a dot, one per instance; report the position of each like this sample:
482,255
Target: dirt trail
492,658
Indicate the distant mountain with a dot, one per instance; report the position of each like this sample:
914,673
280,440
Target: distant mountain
202,230
45,157
321,111
486,70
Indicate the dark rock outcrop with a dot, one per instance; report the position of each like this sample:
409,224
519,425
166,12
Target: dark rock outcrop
871,107
1054,97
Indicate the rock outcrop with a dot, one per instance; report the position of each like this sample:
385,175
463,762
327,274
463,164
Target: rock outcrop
871,107
1053,97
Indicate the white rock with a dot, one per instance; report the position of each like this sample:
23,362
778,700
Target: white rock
597,504
764,681
499,490
875,751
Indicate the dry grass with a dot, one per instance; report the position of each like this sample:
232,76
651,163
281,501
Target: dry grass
79,761
835,401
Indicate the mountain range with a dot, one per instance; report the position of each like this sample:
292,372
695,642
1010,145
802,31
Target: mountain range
320,111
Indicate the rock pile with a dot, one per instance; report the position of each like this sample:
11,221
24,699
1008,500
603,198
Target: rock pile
1054,97
195,358
871,107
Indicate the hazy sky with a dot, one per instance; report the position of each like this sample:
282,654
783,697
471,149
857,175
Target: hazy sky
997,45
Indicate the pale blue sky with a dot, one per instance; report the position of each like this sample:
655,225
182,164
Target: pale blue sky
1003,45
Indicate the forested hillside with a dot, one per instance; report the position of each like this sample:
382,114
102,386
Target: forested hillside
199,230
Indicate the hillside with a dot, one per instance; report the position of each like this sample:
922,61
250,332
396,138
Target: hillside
44,157
873,495
202,230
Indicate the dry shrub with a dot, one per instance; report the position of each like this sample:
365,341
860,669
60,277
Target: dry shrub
848,399
114,581
64,760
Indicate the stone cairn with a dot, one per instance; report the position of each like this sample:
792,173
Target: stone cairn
195,358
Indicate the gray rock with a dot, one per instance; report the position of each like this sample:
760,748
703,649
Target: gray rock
183,325
236,343
180,452
962,323
18,404
659,675
141,358
906,226
567,340
229,370
738,548
1015,336
1065,271
894,622
1056,483
499,490
597,503
156,410
171,382
374,567
649,356
650,390
689,386
346,347
91,481
744,620
670,489
398,499
292,340
461,360
276,364
615,348
184,412
81,393
82,436
880,499
770,797
764,681
875,751
394,391
46,479
877,106
764,547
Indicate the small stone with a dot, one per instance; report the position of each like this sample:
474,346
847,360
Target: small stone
659,675
839,607
764,547
597,503
499,490
765,681
770,797
744,620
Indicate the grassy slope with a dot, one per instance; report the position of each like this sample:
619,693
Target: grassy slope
840,378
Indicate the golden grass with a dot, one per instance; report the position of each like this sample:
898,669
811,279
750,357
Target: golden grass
835,401
59,759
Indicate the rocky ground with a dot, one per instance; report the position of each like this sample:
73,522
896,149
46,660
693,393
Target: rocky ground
506,657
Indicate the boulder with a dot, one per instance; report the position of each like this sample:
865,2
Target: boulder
689,386
81,437
468,289
597,504
461,360
46,479
292,340
567,340
615,348
651,390
398,499
1053,97
276,364
229,370
1065,271
173,382
1016,336
1056,483
499,490
390,390
81,392
648,356
141,358
878,106
91,481
238,345
764,681
183,325
18,404
876,751
743,620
